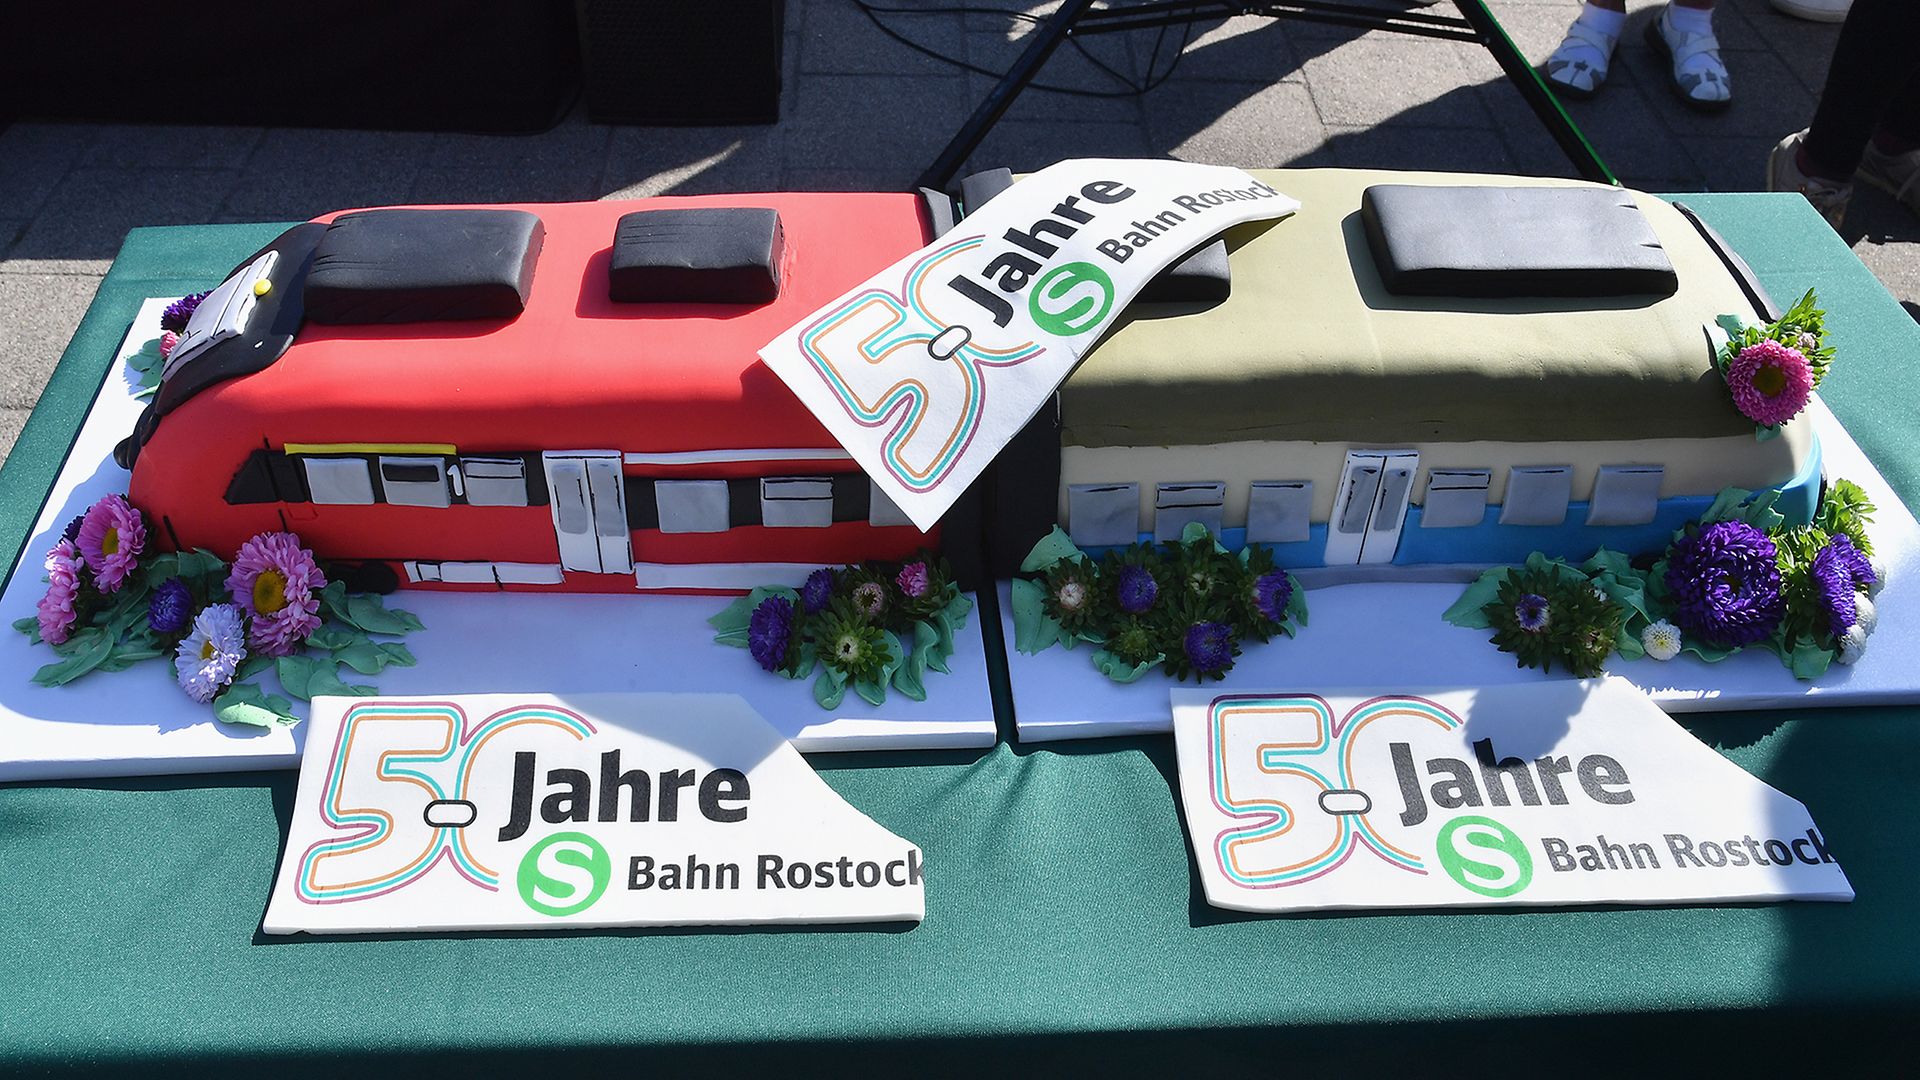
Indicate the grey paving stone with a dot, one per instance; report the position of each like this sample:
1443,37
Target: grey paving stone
172,146
1252,125
1767,100
1237,49
869,121
1024,146
1008,18
93,209
1624,128
572,142
38,314
296,174
896,178
1731,163
837,38
1063,88
537,181
1382,80
692,161
11,421
33,159
1427,148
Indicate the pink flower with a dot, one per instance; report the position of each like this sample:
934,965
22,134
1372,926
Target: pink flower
913,579
277,583
168,339
111,539
63,584
1770,382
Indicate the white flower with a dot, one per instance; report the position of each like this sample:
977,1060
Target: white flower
1600,594
1864,615
1662,640
208,657
1853,645
1879,575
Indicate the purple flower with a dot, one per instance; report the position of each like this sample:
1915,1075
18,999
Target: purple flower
913,580
55,609
1209,647
1725,584
1771,382
277,583
178,313
171,607
770,632
870,599
1530,612
111,539
1832,579
72,532
817,592
1859,567
1136,589
1272,591
209,656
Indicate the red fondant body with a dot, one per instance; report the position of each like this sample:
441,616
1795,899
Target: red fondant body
574,372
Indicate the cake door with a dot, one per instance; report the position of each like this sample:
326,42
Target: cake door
589,503
1370,506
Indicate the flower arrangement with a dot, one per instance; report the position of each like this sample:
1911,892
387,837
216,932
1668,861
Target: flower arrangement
110,604
1183,606
1771,371
1738,577
863,628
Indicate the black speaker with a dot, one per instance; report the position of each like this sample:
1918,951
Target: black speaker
683,61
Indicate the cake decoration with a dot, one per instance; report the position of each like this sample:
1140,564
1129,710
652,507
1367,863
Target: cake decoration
112,603
1740,576
1772,370
1184,606
864,627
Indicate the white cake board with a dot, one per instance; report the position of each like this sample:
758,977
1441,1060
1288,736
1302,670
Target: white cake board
1392,632
137,722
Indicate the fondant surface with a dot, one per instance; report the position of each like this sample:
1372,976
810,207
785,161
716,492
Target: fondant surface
1311,346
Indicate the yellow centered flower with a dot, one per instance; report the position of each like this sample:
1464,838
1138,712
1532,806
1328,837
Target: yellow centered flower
110,541
269,592
1770,380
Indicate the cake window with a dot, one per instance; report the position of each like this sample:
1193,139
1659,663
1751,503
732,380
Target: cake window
1537,495
691,506
1279,511
796,502
1103,515
342,481
882,512
415,481
1456,498
1625,495
1175,506
495,481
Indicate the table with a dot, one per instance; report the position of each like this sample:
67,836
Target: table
1065,927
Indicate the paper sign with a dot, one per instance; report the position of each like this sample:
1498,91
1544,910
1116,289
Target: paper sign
1559,792
925,372
520,811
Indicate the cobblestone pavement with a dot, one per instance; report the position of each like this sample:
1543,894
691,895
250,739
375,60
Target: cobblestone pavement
861,110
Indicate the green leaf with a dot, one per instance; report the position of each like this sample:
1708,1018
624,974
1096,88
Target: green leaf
29,626
80,641
365,611
1468,610
730,622
873,693
1296,605
1732,325
1033,630
1726,506
398,655
1054,547
1118,670
245,704
251,666
98,648
332,637
300,674
830,688
366,658
1808,660
910,677
333,602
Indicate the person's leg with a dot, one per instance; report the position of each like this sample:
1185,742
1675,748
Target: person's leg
1579,65
1684,31
1870,77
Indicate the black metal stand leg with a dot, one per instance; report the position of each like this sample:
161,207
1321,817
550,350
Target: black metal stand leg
1046,38
1534,91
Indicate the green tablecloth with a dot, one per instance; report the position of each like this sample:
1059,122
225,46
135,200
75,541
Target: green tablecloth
1064,926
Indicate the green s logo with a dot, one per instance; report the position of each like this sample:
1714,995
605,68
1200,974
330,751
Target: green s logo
1071,298
1484,856
564,874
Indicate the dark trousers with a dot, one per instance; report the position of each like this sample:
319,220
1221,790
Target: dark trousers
1872,83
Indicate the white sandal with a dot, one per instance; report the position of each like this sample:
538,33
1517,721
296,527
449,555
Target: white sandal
1579,65
1704,84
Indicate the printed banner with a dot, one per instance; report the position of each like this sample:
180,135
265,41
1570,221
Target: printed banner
926,372
1549,793
521,811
